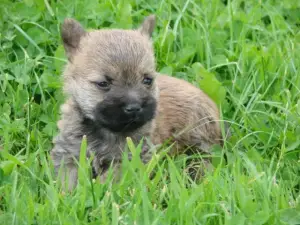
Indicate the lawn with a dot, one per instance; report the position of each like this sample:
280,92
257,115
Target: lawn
243,54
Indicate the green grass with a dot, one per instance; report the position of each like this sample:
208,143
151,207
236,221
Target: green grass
244,54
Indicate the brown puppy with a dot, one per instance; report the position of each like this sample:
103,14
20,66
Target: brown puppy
113,92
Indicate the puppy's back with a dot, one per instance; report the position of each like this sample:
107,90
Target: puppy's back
187,114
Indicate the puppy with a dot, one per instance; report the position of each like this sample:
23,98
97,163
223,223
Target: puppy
113,91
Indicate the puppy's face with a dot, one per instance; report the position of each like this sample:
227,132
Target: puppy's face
111,74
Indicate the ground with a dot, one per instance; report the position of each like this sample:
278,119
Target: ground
243,54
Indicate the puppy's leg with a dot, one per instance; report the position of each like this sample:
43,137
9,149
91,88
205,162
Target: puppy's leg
101,169
116,170
64,152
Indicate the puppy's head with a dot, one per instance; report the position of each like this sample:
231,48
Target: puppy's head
111,74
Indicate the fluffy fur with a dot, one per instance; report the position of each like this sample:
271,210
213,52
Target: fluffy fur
107,76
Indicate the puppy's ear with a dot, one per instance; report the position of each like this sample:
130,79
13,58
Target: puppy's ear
71,34
148,26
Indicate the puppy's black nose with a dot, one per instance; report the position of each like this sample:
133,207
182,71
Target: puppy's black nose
132,108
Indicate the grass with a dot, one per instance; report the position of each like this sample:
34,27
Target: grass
244,54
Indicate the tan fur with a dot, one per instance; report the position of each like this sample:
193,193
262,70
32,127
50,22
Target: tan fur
186,114
183,112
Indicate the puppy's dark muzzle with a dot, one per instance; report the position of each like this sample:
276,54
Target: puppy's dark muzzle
132,109
124,109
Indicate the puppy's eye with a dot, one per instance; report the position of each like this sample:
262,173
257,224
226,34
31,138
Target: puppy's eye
103,85
147,81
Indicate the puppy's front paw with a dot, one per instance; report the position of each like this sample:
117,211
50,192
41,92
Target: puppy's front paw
146,154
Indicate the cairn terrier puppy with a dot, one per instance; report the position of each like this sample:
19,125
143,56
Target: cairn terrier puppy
113,91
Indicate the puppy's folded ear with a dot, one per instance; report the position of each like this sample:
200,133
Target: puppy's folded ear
148,26
71,34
